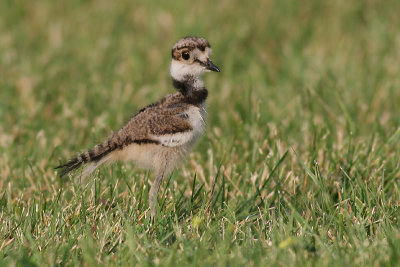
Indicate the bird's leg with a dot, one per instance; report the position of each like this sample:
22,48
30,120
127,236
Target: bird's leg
153,194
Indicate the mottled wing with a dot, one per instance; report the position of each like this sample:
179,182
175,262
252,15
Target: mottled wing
167,128
170,131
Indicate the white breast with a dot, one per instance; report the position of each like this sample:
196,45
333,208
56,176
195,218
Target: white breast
197,118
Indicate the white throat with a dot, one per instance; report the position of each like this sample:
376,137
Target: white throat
181,71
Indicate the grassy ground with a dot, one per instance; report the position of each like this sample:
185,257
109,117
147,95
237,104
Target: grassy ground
300,163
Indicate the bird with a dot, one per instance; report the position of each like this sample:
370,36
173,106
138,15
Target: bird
161,135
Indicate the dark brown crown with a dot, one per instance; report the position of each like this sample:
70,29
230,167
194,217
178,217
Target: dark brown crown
188,43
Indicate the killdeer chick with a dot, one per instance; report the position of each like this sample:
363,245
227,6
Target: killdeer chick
160,135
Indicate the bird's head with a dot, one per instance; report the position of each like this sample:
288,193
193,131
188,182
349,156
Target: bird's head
191,58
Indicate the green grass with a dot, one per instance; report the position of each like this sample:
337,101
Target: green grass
300,164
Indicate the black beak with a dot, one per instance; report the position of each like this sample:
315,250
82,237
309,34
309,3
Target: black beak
211,66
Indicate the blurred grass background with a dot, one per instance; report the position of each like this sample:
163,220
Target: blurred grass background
300,163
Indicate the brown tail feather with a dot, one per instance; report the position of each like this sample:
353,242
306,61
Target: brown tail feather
69,166
93,155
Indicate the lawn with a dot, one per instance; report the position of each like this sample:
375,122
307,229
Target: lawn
300,164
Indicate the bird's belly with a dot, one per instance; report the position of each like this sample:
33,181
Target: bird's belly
142,155
153,156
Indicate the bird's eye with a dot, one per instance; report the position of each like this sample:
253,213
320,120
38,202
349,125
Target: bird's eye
185,55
